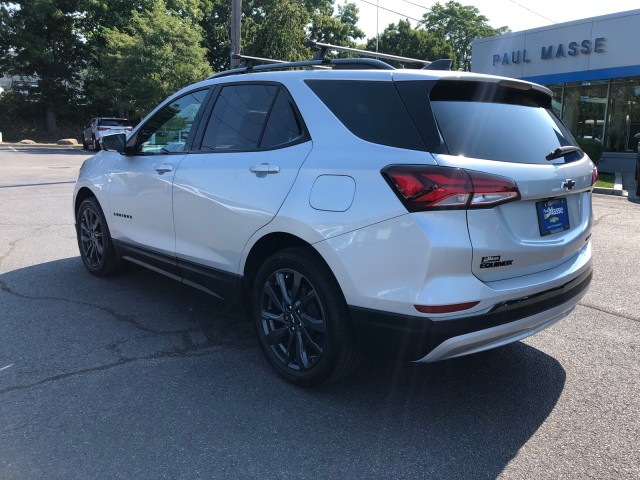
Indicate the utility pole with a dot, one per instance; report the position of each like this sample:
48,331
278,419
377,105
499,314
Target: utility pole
236,14
377,23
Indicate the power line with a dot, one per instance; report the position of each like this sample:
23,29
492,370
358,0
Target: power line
392,11
463,20
535,13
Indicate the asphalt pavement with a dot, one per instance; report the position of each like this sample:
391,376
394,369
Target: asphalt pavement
139,377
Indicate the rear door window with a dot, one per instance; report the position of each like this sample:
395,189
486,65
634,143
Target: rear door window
238,117
252,117
283,126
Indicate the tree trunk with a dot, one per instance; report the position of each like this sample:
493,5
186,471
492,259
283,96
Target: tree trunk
52,123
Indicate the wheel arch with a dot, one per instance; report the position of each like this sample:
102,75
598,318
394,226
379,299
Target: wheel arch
267,246
81,196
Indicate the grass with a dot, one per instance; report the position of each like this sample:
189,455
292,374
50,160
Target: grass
606,180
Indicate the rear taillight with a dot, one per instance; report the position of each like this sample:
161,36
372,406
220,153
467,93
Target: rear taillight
129,129
594,176
102,129
428,187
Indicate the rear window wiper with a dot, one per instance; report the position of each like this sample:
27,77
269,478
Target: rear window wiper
562,152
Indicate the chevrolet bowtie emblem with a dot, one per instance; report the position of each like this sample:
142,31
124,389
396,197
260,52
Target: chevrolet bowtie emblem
568,184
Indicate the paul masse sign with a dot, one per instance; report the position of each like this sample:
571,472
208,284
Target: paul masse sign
583,49
572,49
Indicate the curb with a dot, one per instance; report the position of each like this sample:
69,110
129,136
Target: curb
38,145
616,190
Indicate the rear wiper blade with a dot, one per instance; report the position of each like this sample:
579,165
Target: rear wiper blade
562,151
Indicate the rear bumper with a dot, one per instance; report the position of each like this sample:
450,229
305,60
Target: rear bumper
430,339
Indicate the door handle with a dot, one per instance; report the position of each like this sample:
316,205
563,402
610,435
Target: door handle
163,168
264,168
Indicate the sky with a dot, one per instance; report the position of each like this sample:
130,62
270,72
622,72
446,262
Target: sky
515,14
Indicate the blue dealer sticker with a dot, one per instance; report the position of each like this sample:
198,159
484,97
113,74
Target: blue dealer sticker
553,216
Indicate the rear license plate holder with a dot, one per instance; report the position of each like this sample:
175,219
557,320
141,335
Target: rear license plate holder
553,216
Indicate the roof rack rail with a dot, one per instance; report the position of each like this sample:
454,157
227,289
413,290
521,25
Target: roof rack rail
250,61
324,48
339,63
258,64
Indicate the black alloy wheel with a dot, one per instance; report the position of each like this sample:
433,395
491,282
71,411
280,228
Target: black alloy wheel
94,241
302,320
293,319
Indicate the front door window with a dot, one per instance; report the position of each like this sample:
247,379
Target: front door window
168,130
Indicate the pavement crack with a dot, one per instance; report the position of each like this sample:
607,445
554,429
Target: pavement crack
131,319
180,352
602,217
111,312
65,375
13,244
609,312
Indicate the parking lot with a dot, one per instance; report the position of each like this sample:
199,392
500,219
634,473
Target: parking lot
138,376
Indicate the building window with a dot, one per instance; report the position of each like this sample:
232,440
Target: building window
584,108
623,115
556,100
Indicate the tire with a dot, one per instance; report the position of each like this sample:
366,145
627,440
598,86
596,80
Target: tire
95,144
85,145
94,240
302,320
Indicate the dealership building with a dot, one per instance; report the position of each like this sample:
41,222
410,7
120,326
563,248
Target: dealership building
592,66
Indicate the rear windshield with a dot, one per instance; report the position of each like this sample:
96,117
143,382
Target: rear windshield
113,122
493,122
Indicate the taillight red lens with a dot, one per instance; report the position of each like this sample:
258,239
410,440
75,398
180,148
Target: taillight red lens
428,187
102,129
594,176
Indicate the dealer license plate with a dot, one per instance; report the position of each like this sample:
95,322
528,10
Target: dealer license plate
553,216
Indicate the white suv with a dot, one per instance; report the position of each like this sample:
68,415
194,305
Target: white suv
98,127
423,214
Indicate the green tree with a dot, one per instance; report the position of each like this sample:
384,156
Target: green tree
404,40
341,29
42,39
278,28
118,13
459,25
282,33
157,53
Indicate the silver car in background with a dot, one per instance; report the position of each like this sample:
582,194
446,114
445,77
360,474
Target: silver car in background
98,127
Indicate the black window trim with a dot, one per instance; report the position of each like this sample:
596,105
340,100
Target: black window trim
197,143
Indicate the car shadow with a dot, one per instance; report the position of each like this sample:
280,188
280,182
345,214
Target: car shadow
461,418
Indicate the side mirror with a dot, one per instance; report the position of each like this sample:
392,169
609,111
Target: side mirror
115,142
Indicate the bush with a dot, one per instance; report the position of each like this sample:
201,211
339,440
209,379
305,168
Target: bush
591,147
